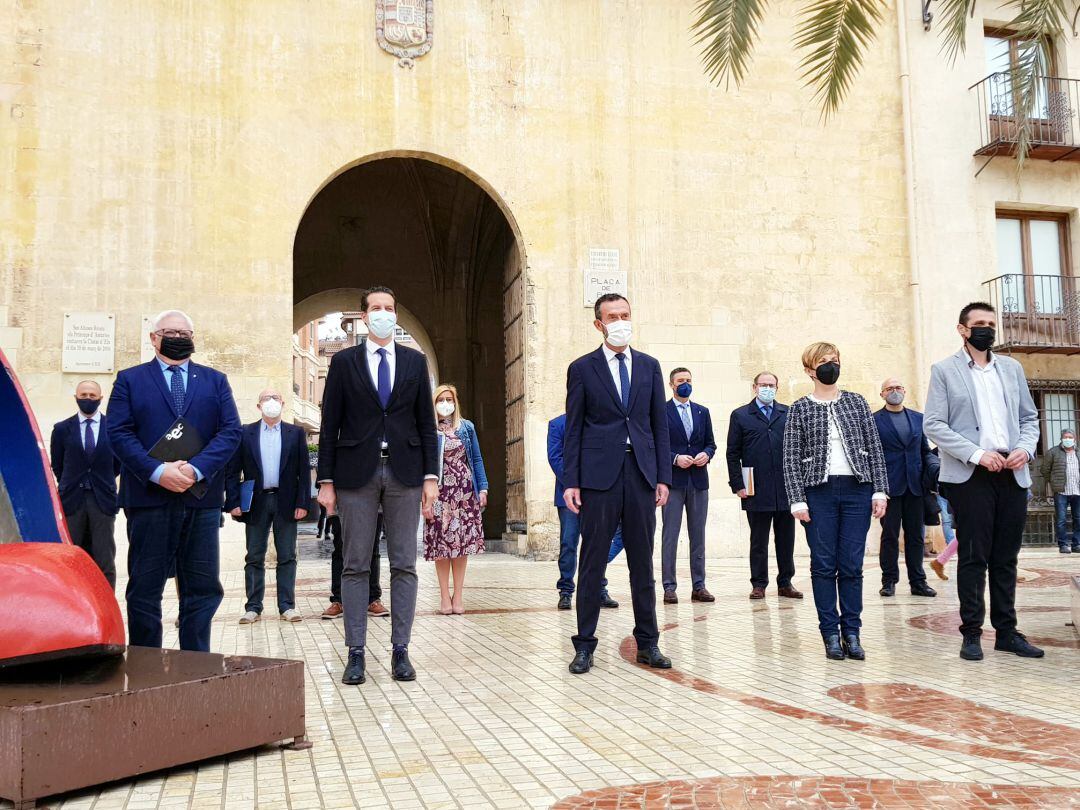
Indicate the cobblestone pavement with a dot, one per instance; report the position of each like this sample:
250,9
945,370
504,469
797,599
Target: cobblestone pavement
752,714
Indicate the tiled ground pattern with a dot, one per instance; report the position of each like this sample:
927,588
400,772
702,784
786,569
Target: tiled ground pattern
751,716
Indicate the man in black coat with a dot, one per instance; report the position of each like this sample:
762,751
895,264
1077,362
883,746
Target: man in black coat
86,470
756,440
273,460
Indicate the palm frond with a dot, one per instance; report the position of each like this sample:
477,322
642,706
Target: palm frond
836,33
728,29
954,16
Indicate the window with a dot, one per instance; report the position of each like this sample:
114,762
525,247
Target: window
1004,52
1033,262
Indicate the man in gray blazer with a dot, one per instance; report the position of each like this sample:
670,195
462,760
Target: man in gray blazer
980,414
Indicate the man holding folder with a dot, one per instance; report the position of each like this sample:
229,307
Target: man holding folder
755,448
173,502
274,494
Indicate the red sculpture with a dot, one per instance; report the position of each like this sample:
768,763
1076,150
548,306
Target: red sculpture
54,601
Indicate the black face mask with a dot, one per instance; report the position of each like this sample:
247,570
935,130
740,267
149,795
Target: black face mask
88,406
982,337
177,348
828,373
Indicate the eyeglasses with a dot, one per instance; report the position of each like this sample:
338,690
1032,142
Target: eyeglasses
894,388
175,333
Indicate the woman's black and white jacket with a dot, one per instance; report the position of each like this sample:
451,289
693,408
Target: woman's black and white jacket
806,444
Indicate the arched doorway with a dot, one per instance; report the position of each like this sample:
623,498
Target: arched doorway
450,250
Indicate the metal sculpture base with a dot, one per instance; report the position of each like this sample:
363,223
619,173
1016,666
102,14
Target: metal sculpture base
70,727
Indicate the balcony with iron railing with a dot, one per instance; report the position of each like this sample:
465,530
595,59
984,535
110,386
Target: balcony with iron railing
1055,125
1036,313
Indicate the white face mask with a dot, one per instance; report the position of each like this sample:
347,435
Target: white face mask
271,408
444,408
619,333
381,323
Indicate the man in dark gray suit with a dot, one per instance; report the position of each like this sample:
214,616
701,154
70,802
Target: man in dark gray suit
980,414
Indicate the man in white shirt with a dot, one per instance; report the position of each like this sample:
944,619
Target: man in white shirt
980,414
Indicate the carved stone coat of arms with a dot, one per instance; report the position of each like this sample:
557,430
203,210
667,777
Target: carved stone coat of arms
404,28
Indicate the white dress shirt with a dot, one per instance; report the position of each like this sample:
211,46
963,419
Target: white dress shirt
270,453
95,427
990,407
373,360
1072,474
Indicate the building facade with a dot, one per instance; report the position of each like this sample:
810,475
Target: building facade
260,168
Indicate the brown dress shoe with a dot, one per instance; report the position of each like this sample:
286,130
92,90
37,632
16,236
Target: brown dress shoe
377,608
701,595
757,593
335,611
790,592
670,598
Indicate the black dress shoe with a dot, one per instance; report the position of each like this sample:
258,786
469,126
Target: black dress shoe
354,668
887,590
971,649
1017,644
1076,549
607,602
852,647
564,601
833,650
922,589
654,658
402,667
582,662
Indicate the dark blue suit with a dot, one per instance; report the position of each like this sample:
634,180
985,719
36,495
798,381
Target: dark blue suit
87,486
617,481
689,491
167,529
757,442
905,462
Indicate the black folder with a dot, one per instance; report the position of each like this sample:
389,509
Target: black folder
181,441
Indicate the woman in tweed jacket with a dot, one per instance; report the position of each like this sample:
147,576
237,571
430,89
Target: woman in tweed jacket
834,474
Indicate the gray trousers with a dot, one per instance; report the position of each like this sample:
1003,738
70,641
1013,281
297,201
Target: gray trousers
359,510
696,503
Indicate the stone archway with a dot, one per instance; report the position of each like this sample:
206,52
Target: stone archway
449,248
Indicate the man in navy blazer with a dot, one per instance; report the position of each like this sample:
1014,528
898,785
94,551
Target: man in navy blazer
168,525
273,456
906,453
756,439
86,470
692,448
616,469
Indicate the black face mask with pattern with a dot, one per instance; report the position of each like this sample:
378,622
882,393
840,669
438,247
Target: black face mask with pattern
828,373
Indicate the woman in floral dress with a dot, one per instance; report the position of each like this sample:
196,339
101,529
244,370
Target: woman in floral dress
457,530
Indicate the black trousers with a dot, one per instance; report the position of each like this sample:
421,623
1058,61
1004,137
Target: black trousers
989,511
903,511
93,531
783,529
337,563
631,502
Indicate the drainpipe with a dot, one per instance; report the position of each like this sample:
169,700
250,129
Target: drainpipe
914,276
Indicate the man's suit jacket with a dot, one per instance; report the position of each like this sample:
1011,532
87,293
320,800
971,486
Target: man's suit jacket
555,434
294,471
754,441
75,470
700,440
141,410
597,425
952,418
905,462
354,422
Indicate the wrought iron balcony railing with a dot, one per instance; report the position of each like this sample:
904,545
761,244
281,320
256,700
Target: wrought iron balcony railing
1055,125
1036,313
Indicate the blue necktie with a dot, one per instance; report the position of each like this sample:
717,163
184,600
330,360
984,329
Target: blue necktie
688,426
768,412
384,377
88,442
624,380
177,388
